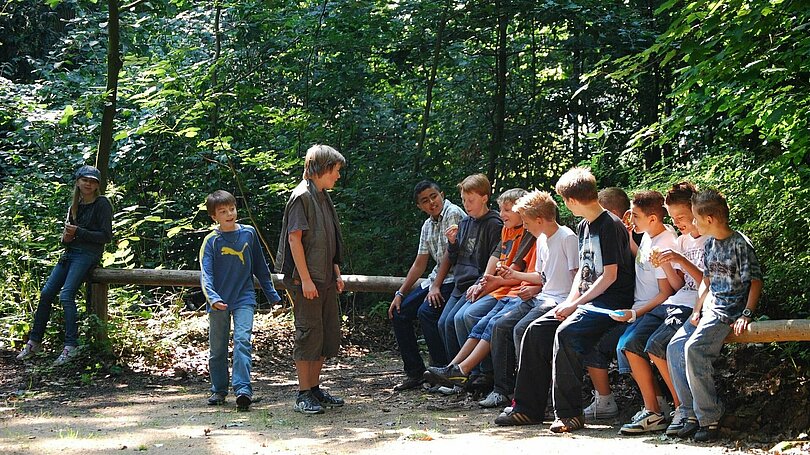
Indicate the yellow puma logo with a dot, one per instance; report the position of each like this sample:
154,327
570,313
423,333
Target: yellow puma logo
239,254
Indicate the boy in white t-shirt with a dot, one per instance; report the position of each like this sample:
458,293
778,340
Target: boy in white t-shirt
662,322
556,264
653,287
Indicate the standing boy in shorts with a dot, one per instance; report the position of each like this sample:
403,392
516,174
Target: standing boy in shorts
309,254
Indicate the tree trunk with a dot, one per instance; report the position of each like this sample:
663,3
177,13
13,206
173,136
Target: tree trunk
649,89
437,49
499,121
114,65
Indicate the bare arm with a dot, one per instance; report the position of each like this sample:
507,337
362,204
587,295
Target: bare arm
608,277
664,291
482,286
434,296
686,265
741,324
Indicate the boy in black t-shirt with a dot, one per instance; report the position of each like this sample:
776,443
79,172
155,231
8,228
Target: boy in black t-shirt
555,344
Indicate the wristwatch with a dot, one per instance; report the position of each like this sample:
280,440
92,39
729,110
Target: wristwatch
399,293
747,313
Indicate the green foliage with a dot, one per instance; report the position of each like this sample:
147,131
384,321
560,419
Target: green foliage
717,89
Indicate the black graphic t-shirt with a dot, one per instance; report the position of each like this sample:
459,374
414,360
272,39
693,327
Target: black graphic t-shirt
605,241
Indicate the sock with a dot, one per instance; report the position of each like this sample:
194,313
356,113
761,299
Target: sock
316,390
301,392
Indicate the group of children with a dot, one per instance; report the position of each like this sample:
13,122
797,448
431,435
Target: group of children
531,310
516,303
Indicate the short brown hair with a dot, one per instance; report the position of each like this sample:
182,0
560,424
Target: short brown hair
321,159
537,204
615,200
578,183
476,183
650,203
711,203
680,193
511,195
218,198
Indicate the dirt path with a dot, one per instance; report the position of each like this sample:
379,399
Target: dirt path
159,415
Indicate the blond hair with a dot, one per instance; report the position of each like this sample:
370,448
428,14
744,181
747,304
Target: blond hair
77,199
476,183
512,195
321,159
537,204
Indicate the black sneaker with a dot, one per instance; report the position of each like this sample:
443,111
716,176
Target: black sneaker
243,403
327,400
513,418
433,374
707,433
216,398
690,427
409,383
447,376
306,403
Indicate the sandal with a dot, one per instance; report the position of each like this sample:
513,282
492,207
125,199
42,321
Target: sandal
567,424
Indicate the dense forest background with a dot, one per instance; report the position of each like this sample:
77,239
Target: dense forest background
230,94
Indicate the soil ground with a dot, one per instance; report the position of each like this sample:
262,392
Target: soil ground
64,412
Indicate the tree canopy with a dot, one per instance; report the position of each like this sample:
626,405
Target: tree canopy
230,94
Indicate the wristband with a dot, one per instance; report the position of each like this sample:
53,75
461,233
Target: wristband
399,293
632,316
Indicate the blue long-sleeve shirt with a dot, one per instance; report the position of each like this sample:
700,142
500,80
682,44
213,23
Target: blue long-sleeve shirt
228,263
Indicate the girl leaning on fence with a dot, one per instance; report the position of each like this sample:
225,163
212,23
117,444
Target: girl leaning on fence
88,227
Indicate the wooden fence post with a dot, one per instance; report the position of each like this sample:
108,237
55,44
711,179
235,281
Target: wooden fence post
98,302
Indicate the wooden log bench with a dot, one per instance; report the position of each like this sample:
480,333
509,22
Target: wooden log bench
101,278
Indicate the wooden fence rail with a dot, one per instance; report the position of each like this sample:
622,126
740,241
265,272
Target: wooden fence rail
100,279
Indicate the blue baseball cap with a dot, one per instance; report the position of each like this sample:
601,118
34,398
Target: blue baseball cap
89,172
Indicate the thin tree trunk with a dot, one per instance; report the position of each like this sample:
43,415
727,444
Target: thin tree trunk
574,110
214,68
500,94
437,48
114,65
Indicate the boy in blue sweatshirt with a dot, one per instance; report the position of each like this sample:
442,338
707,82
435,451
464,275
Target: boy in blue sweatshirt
230,256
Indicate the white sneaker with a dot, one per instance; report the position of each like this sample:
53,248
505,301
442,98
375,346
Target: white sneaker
677,421
455,390
68,353
646,422
602,407
31,348
494,400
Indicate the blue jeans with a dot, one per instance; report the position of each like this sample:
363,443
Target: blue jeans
67,276
469,314
483,329
447,329
402,322
690,356
650,333
218,334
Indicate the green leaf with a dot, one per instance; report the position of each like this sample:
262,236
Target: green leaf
67,115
